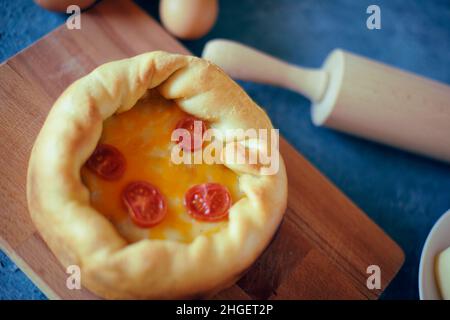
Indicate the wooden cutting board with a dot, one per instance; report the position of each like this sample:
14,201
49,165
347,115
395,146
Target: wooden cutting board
322,249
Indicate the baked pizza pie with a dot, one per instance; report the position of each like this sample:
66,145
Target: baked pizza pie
105,192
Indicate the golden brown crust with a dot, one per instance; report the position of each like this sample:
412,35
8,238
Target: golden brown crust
77,234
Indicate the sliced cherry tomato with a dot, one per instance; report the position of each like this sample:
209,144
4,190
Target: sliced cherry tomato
145,203
196,141
107,162
208,201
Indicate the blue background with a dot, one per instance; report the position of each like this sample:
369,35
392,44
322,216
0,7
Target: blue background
403,193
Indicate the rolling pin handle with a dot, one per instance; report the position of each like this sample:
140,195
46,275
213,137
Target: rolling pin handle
245,63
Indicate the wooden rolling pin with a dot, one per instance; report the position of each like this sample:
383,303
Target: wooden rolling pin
355,95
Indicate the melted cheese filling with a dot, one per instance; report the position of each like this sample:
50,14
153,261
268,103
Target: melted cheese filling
142,135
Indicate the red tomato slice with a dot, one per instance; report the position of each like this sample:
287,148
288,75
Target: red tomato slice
196,141
107,162
208,201
145,203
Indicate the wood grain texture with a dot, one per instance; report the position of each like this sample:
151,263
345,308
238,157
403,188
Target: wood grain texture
321,250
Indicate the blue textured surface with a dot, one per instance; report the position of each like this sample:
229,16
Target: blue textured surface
403,193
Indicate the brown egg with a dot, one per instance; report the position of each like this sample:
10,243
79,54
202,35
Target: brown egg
188,19
61,5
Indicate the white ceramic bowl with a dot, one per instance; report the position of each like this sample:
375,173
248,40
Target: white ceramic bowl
437,241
